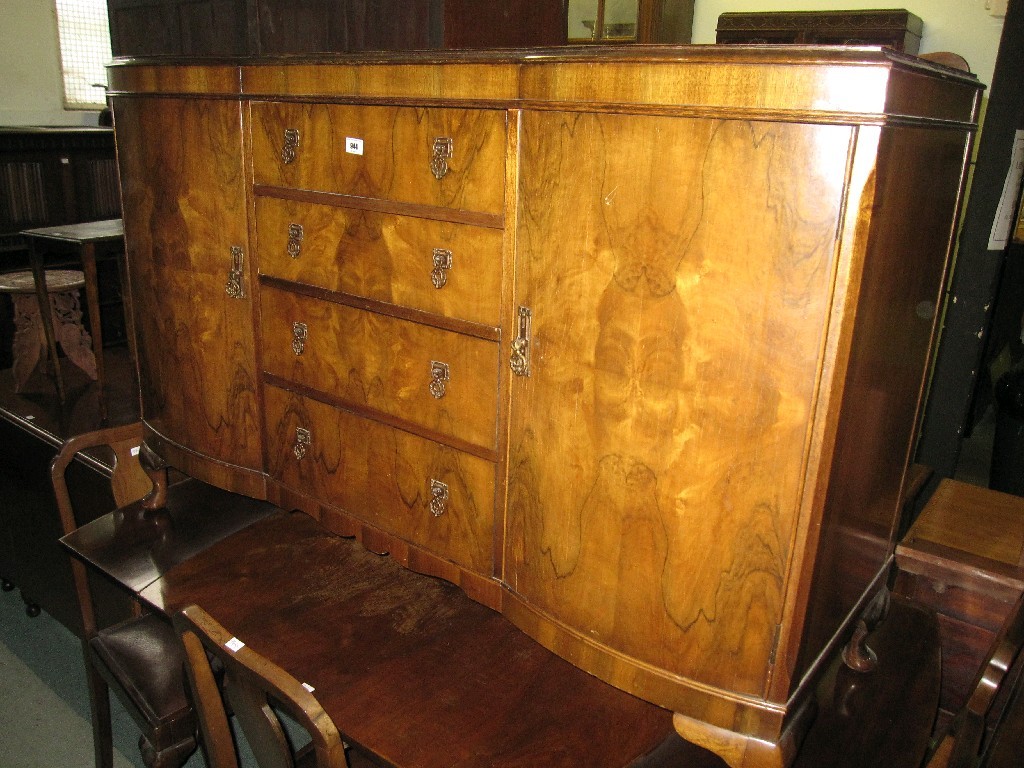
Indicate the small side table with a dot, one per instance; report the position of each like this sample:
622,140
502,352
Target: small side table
83,239
964,558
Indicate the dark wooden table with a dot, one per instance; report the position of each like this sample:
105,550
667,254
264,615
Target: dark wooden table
417,675
409,668
135,546
82,238
964,557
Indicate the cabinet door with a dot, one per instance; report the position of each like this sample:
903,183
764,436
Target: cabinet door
186,232
678,273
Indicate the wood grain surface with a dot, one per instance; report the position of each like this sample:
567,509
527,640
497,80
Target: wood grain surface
994,527
370,359
196,344
383,257
407,666
903,230
396,152
383,476
680,290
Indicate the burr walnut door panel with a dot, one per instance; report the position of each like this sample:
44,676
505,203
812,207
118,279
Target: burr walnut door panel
185,226
679,290
451,158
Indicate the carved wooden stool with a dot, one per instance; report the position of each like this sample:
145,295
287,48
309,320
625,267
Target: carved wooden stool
30,334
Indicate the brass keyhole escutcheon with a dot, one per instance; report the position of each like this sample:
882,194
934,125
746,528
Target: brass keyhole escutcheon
439,377
303,441
438,497
291,145
442,261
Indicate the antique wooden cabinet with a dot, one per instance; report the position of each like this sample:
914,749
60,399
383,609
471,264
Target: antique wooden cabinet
629,344
896,28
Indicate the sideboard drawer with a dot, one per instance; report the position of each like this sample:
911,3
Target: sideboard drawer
452,158
440,380
453,270
436,497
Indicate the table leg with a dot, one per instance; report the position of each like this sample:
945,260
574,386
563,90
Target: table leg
128,308
92,296
45,312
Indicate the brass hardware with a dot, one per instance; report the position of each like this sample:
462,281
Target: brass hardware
440,156
438,497
520,360
291,143
300,332
442,263
303,440
235,288
438,378
294,240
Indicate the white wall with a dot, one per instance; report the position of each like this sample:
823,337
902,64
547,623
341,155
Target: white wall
31,92
961,26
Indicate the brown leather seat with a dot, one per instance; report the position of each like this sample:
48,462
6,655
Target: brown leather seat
142,661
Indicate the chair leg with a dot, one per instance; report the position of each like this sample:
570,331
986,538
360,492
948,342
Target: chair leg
171,757
99,703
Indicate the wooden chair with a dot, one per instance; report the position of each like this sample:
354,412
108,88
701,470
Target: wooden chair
140,659
251,682
991,718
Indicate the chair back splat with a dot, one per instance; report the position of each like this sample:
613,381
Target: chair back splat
251,683
996,692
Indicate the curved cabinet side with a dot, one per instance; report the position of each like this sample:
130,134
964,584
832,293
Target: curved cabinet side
186,235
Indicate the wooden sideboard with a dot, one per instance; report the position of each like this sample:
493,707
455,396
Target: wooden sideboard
628,344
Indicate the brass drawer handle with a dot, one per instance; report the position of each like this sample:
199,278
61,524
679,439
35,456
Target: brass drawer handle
442,263
291,144
235,287
303,441
438,497
520,360
300,332
295,234
439,157
439,377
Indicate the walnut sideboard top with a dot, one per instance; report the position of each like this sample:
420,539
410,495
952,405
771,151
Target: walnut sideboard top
628,343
